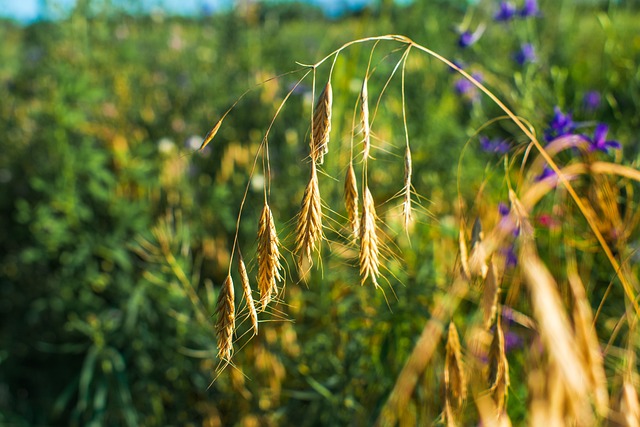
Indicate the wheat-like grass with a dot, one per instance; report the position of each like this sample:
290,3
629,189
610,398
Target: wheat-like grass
554,327
364,118
321,126
629,404
499,368
369,244
246,288
309,227
588,342
226,322
268,257
455,381
351,200
490,293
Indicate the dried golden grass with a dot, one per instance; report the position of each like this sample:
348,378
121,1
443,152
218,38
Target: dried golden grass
588,343
268,257
364,118
309,227
351,200
629,404
246,288
226,322
321,126
455,381
499,369
490,293
369,244
555,329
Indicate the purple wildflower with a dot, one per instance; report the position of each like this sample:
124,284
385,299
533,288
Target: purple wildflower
546,172
494,145
503,209
526,54
467,89
467,38
506,11
530,9
561,125
511,259
458,64
512,341
599,141
591,100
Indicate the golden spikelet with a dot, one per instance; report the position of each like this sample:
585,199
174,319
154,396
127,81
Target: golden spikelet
588,343
246,288
212,133
268,257
521,217
309,227
369,251
364,116
490,294
321,126
406,204
351,200
553,325
226,322
464,253
455,382
629,404
499,369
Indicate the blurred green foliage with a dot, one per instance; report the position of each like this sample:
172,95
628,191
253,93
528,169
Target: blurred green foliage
115,234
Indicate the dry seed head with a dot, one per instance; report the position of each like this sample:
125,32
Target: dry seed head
521,216
309,227
246,288
369,251
499,368
455,381
629,405
406,204
226,322
588,344
212,133
366,129
321,126
490,294
268,257
351,200
553,324
464,253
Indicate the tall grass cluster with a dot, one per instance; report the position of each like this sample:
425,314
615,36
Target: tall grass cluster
436,228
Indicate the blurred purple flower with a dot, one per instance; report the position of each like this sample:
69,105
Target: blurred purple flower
530,9
506,11
467,89
599,141
546,172
503,209
591,100
526,54
494,145
467,38
511,341
561,125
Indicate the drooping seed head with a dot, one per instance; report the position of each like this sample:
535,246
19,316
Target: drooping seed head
268,257
369,250
351,200
226,322
406,204
321,126
246,289
309,227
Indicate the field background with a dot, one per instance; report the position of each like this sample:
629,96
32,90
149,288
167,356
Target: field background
115,233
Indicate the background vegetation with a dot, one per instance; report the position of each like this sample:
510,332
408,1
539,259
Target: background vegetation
116,233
